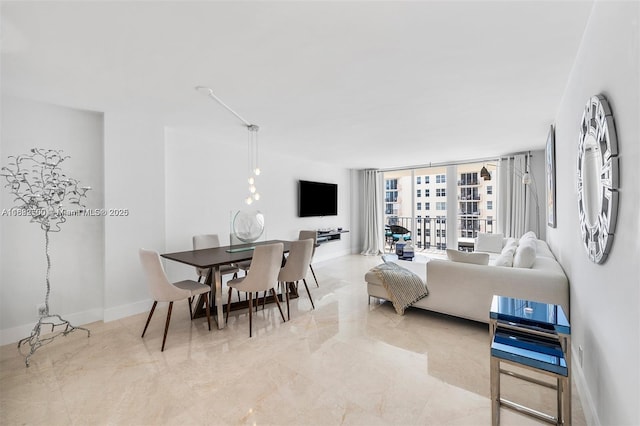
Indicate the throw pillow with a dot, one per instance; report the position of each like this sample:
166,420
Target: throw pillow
467,257
489,242
511,243
525,254
528,235
506,257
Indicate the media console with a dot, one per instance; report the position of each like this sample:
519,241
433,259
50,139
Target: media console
328,236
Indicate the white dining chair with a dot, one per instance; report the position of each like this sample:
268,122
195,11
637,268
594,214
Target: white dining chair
205,241
265,266
295,268
303,235
163,291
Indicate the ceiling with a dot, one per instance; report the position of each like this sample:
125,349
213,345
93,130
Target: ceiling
363,84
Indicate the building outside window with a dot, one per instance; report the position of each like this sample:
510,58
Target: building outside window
409,202
391,197
470,187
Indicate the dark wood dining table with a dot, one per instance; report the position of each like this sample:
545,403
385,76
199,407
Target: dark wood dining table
212,259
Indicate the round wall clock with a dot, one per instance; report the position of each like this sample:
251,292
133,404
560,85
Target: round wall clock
597,178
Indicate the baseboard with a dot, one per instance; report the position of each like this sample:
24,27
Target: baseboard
319,259
591,416
13,335
123,311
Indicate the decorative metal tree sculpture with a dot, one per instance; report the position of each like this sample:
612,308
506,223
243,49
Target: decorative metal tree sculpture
41,188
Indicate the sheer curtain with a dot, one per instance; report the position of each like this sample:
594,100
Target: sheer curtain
512,206
372,211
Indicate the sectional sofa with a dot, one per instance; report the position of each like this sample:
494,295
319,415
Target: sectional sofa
463,285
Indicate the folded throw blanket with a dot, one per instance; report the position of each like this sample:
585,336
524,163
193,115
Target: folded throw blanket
403,286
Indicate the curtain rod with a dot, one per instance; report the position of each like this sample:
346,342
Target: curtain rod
456,163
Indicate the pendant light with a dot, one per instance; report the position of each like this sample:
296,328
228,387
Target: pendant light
252,147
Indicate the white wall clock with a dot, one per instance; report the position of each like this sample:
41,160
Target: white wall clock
597,178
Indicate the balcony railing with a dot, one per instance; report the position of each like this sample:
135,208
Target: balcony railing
431,233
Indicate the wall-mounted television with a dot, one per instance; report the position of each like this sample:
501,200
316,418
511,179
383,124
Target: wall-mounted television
317,199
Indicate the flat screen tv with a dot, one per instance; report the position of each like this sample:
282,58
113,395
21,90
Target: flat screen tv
317,199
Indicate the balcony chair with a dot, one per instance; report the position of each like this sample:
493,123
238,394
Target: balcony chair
295,269
398,233
163,291
265,267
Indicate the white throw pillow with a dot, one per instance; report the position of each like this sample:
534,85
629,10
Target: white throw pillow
467,257
489,242
506,257
528,235
511,243
525,254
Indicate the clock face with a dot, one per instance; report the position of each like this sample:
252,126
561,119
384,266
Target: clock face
597,178
248,225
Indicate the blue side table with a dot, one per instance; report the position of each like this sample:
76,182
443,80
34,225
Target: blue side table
537,337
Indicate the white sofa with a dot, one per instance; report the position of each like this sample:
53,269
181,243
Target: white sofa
465,290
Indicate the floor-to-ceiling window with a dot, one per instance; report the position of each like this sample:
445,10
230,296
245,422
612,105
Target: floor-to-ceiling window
417,199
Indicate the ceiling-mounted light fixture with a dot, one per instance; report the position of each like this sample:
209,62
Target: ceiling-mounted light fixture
252,148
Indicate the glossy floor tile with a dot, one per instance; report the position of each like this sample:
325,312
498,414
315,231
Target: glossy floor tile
346,362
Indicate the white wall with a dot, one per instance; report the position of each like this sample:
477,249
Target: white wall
206,179
605,299
134,180
77,252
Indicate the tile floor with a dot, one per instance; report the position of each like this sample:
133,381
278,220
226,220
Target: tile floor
346,362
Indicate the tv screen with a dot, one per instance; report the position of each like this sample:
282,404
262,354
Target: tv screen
317,199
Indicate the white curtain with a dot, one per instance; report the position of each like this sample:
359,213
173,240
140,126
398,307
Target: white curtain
372,211
512,204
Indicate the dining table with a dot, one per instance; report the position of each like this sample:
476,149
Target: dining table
212,259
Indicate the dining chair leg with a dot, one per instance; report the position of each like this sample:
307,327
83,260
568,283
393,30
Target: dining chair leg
207,310
307,287
275,297
286,292
226,317
153,308
314,275
190,310
250,310
166,327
